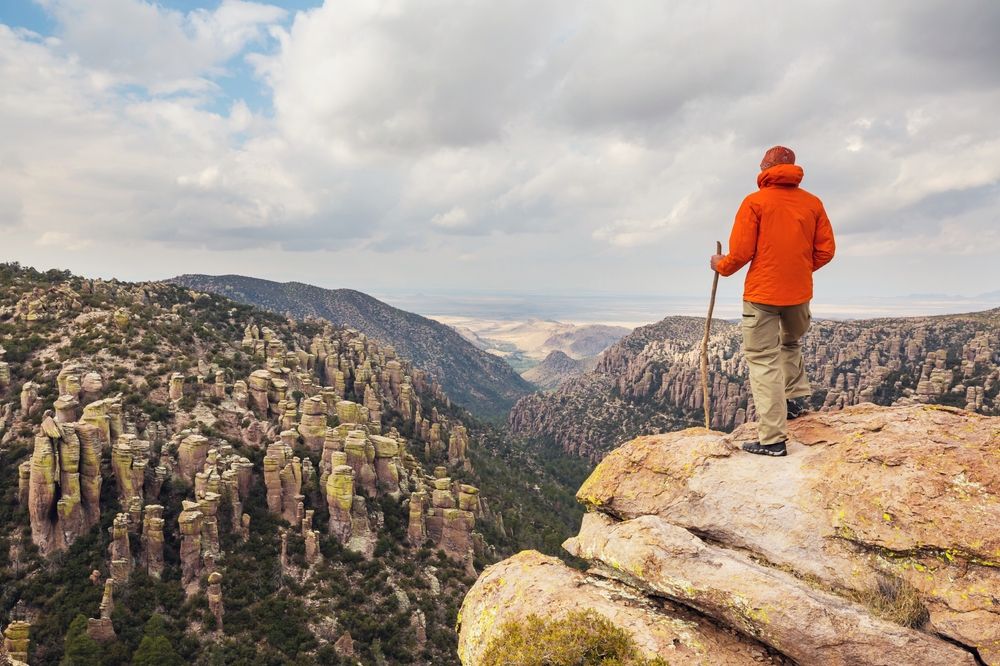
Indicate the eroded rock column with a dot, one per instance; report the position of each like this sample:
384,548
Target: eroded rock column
152,540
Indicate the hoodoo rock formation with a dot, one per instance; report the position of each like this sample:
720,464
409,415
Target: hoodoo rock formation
152,540
142,404
100,628
871,543
485,383
16,641
650,381
64,483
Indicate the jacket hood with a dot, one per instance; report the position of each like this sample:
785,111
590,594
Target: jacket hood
780,174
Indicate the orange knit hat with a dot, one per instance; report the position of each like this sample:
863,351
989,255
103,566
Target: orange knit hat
777,155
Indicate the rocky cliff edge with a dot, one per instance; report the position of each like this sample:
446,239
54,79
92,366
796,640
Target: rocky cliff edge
876,541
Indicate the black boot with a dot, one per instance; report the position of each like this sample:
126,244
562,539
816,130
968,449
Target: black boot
766,449
795,409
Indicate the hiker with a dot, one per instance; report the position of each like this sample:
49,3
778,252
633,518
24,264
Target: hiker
784,233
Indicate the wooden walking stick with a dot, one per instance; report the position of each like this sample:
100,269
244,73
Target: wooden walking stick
704,344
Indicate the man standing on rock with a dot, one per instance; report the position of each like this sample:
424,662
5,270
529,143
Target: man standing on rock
784,233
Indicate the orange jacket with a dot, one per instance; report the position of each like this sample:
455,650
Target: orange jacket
785,232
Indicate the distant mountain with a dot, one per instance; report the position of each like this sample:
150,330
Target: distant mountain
556,369
586,341
479,381
533,339
650,382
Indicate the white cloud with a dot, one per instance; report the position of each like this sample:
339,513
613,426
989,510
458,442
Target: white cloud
456,217
631,233
601,138
143,43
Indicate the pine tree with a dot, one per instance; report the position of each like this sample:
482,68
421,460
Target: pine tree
81,649
155,648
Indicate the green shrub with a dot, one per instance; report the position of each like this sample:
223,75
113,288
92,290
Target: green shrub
156,648
81,649
580,638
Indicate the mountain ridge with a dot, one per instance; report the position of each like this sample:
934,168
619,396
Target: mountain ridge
650,382
472,378
557,368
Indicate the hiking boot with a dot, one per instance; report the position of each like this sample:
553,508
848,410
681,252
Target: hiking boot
766,449
795,409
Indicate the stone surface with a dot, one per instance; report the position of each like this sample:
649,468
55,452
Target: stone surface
129,456
417,529
189,521
344,645
361,457
865,492
214,594
530,582
362,536
152,540
312,426
29,397
100,628
458,444
119,550
191,455
340,497
807,624
66,407
63,485
16,640
283,476
311,538
176,387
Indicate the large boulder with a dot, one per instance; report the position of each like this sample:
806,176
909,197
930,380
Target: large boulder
873,542
531,582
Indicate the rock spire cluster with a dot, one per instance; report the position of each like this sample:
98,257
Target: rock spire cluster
650,381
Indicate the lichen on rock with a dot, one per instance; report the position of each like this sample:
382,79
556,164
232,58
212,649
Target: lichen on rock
786,551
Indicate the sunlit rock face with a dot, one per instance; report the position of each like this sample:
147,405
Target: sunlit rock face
866,544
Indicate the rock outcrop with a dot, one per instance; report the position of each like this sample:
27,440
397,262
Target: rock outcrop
650,381
458,444
119,550
129,457
146,386
64,484
101,628
214,594
866,545
152,540
487,383
190,522
16,640
312,426
530,582
283,479
340,497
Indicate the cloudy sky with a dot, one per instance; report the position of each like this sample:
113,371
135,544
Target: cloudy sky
549,146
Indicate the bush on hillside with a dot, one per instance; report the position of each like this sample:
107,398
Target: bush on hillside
579,638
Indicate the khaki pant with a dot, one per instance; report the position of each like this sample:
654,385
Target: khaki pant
771,335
